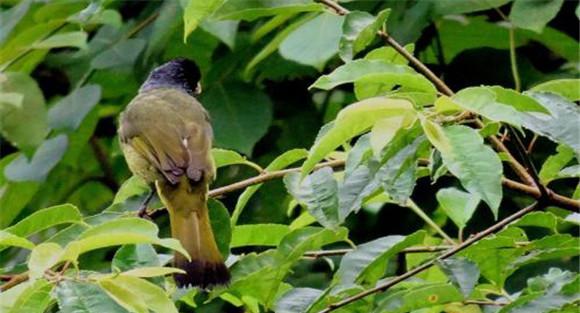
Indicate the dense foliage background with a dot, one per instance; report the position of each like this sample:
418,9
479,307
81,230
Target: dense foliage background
291,83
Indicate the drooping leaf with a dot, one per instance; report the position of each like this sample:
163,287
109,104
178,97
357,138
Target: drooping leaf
42,162
359,30
355,70
555,163
240,115
567,88
121,54
78,296
224,157
258,235
71,110
22,111
367,263
297,300
9,239
462,272
534,14
250,10
352,121
308,45
458,205
319,193
476,165
561,125
195,12
282,161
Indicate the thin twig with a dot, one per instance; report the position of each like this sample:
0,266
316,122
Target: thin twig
485,302
417,210
15,280
531,144
340,10
384,286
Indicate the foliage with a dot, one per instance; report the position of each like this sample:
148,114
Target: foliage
296,83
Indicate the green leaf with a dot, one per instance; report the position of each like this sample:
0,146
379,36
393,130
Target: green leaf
534,14
297,300
44,160
476,165
561,126
462,272
225,31
538,219
356,70
135,256
34,299
76,39
45,219
125,297
253,9
359,30
367,263
546,293
43,257
421,296
258,235
411,86
390,55
445,7
148,272
458,205
70,111
118,232
153,296
282,161
296,243
352,121
121,54
319,193
9,18
567,88
555,163
521,102
22,111
133,186
219,218
309,46
224,157
83,297
240,115
195,12
8,239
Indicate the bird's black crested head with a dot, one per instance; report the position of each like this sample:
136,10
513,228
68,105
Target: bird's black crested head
178,73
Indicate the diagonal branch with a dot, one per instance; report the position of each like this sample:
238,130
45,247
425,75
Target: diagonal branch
384,286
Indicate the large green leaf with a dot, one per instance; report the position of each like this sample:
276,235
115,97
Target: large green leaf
309,45
196,11
458,205
152,295
258,235
297,300
567,88
462,272
42,162
367,263
355,70
43,257
420,296
359,30
282,161
534,14
466,156
11,17
46,218
134,256
84,297
71,110
240,115
411,86
125,297
34,299
252,9
352,121
9,239
561,126
22,111
319,193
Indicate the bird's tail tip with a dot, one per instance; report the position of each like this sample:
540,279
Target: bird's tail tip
203,274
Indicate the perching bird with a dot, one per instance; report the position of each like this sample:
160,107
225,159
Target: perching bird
166,138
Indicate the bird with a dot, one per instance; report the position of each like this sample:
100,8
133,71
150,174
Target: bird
166,137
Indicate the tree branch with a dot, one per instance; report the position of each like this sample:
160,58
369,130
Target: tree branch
15,280
384,286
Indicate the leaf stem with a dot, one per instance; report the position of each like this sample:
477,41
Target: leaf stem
417,210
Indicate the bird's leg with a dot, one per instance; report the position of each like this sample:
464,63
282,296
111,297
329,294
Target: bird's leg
142,213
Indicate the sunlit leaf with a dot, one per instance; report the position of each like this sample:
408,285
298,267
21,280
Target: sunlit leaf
359,30
78,296
567,88
258,235
195,12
